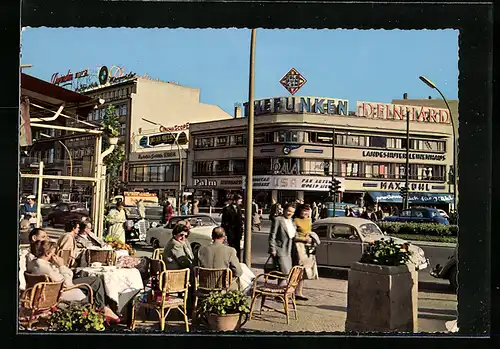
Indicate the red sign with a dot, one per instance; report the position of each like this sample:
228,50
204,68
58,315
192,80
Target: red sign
175,128
293,81
386,111
56,79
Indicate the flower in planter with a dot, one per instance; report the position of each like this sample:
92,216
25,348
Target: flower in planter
77,317
221,303
387,252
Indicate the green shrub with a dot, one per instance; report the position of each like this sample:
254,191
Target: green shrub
431,229
220,303
386,252
77,317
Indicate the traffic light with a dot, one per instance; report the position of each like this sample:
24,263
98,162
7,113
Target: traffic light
403,191
334,187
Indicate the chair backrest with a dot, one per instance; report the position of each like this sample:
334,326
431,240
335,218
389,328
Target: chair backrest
156,267
173,281
157,254
65,255
33,279
106,257
294,277
207,279
45,295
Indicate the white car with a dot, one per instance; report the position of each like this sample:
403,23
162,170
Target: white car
343,240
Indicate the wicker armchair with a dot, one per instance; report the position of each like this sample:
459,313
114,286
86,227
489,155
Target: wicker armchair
39,300
284,292
208,280
171,284
66,256
157,254
105,257
33,279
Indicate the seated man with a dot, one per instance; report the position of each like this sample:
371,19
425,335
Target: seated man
218,255
67,242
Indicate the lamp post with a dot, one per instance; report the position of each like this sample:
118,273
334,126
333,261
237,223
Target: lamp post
250,133
455,169
69,157
180,162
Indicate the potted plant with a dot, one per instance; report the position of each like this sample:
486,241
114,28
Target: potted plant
382,293
77,317
225,311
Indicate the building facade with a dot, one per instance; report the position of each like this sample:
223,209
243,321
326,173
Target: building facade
154,117
293,153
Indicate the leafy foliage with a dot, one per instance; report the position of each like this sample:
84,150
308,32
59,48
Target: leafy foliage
111,124
220,303
77,317
432,229
386,252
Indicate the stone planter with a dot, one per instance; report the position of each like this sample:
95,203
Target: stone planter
382,298
226,322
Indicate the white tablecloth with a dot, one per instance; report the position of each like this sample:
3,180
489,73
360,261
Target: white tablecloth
121,284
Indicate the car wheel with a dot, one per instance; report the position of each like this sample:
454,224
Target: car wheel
452,276
195,247
155,243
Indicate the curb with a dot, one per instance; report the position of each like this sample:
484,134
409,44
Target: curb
433,243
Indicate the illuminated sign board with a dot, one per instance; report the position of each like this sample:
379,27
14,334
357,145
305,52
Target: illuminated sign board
384,111
88,79
163,139
315,105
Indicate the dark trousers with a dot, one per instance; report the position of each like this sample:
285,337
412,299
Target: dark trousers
234,241
97,286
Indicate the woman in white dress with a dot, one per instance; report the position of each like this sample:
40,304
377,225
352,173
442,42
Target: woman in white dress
117,218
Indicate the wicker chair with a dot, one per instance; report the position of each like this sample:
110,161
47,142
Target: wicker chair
33,279
39,300
172,283
105,257
284,292
157,254
66,256
208,280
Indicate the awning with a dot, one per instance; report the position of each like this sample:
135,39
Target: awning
414,198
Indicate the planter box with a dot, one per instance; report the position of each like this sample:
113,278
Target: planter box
382,298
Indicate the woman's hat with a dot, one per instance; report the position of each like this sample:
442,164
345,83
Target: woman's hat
31,197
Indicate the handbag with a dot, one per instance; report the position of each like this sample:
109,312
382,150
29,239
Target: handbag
271,265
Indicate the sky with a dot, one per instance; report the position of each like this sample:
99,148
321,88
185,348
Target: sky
357,65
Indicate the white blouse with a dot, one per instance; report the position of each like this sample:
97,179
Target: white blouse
290,228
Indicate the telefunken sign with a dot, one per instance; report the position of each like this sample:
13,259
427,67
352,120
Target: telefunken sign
396,155
383,111
317,105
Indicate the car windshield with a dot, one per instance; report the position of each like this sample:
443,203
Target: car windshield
76,207
195,221
369,229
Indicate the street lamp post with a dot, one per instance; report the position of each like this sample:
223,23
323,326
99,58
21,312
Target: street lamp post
180,163
455,168
406,199
250,133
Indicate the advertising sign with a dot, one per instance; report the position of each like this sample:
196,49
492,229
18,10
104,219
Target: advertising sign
306,183
383,111
293,81
315,105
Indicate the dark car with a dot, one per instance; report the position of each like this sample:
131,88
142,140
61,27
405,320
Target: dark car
67,211
135,227
418,215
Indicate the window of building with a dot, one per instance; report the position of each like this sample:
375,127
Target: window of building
321,137
202,168
239,139
262,166
90,116
120,93
378,142
222,167
103,113
317,167
123,130
123,109
239,167
349,169
172,172
222,141
264,137
350,140
285,166
288,136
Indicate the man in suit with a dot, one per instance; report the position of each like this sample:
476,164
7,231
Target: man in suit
232,222
218,255
281,239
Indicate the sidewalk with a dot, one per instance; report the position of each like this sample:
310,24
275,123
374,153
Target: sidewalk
327,305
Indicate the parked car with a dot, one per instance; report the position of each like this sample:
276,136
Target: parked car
339,209
418,215
443,213
448,271
343,240
66,211
200,234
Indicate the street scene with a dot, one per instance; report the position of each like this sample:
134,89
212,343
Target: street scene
236,187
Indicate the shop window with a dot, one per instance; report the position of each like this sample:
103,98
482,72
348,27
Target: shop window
153,173
172,172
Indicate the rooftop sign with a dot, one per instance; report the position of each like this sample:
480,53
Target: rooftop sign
293,81
384,111
317,105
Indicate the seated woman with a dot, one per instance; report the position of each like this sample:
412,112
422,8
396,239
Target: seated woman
26,254
48,263
177,254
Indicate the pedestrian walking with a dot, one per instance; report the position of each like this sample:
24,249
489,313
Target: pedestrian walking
281,241
314,212
168,212
232,222
273,211
364,213
196,209
185,208
117,217
256,216
379,213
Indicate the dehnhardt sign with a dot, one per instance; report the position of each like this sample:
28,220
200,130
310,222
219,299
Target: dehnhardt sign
383,111
306,183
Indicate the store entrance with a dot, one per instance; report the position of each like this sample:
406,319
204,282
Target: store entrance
287,196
